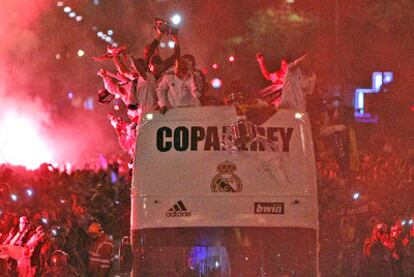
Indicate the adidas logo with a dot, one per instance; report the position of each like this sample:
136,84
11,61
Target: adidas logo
269,208
178,210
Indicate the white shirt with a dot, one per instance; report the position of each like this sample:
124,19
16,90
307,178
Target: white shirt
147,98
175,92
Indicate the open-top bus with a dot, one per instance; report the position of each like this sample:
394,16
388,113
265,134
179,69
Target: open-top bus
202,208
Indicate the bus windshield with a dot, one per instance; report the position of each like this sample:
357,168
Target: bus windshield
227,251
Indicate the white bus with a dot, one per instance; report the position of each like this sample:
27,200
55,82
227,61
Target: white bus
202,209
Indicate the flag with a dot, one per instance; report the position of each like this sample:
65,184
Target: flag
291,92
353,150
299,82
272,94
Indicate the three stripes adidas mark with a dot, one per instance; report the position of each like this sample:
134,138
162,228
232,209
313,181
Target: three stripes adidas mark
178,210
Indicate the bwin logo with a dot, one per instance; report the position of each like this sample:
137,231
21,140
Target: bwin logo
269,208
178,210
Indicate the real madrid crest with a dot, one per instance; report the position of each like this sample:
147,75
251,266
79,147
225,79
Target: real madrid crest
226,180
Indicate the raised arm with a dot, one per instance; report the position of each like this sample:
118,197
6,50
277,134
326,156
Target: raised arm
263,69
170,61
149,49
119,56
120,66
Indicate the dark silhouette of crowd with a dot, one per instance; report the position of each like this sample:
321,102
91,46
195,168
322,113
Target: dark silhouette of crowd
63,205
357,206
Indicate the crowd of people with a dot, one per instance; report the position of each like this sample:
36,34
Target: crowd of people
357,206
64,221
60,209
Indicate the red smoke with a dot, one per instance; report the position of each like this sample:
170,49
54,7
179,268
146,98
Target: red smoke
29,132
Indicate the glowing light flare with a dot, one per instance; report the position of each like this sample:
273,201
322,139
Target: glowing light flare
29,192
79,18
72,15
13,197
88,104
204,70
232,59
214,66
171,44
356,196
216,83
59,3
176,19
149,116
388,77
116,108
298,115
21,142
81,53
114,177
67,9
